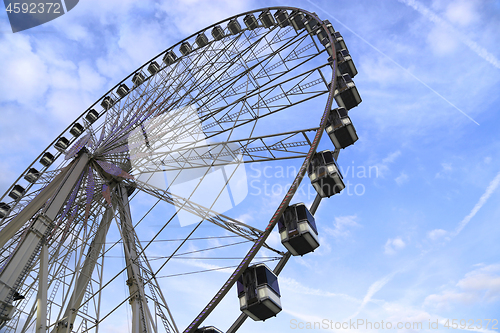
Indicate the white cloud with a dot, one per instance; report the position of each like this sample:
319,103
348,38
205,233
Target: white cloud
372,290
342,225
462,12
446,299
446,168
455,14
401,179
394,245
192,15
442,42
480,285
486,195
436,234
24,72
383,167
294,286
90,79
483,279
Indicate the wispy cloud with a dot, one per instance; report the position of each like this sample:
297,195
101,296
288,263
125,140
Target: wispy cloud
395,62
479,285
372,290
436,234
341,226
486,195
394,245
430,15
401,179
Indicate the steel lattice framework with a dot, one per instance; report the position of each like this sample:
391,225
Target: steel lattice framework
218,103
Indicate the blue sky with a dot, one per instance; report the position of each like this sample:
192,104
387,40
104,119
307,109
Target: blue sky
415,241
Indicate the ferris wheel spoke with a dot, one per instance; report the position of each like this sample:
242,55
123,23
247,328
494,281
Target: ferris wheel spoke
272,147
188,120
138,273
300,92
204,213
221,70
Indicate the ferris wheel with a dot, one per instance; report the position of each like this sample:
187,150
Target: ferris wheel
179,130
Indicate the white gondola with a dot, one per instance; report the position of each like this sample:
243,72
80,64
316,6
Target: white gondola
325,175
185,48
339,41
259,293
92,116
311,24
267,19
297,20
17,192
346,94
217,32
340,129
251,22
234,26
107,102
298,230
32,175
4,210
62,144
328,46
201,40
47,159
122,90
281,16
208,329
329,26
345,63
76,130
322,33
138,78
169,58
153,68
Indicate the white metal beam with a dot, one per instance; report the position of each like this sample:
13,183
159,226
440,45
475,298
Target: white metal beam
41,306
16,269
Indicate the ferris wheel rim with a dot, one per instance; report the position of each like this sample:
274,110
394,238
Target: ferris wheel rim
313,148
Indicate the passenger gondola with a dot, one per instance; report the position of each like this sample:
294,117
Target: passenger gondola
340,129
4,210
32,175
201,40
138,78
47,159
208,329
122,90
325,175
346,93
267,19
17,192
92,116
298,230
62,144
153,68
234,26
76,130
251,22
259,293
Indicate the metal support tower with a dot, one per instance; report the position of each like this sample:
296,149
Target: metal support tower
141,316
66,323
23,258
